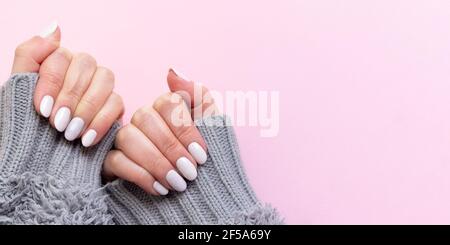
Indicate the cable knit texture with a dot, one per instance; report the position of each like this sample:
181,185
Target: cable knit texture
45,179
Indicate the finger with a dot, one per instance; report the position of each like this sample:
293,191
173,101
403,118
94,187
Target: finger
51,80
194,94
135,145
91,102
175,113
155,128
30,54
76,82
111,111
118,165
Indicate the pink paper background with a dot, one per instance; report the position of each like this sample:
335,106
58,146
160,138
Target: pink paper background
364,88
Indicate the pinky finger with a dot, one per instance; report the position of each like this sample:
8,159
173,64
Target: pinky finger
118,165
111,111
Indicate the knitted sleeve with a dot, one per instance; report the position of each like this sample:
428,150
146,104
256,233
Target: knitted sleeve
221,193
44,179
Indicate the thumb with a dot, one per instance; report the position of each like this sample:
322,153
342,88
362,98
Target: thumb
30,54
196,96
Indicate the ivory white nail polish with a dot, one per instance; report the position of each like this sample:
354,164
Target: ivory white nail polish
187,168
62,118
74,129
89,138
160,188
46,106
197,152
181,75
49,30
176,181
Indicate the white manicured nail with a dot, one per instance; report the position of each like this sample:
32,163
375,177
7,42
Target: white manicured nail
187,168
62,119
197,152
74,129
46,106
49,30
181,75
176,181
160,188
88,138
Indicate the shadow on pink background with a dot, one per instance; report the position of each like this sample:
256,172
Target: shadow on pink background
364,90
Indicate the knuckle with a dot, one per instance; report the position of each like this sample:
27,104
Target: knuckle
160,101
106,117
150,165
73,94
167,98
85,59
113,157
122,135
141,177
61,54
171,145
21,50
52,79
106,74
26,47
118,103
117,99
185,133
90,102
157,164
141,116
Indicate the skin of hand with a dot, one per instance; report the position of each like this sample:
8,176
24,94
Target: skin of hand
162,145
72,91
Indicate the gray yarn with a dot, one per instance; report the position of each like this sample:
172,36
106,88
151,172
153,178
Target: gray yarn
45,179
34,199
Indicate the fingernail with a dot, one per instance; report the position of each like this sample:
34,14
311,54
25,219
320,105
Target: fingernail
180,75
186,168
160,188
49,30
176,181
88,138
74,129
197,152
62,118
46,106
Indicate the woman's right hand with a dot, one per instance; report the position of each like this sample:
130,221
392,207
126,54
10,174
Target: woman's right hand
162,145
72,91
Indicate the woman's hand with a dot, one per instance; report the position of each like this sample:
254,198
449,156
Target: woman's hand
72,91
162,145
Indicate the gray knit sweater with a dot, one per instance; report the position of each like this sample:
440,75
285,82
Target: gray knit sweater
45,179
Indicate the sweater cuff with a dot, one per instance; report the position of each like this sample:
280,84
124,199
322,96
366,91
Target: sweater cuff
220,195
45,179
